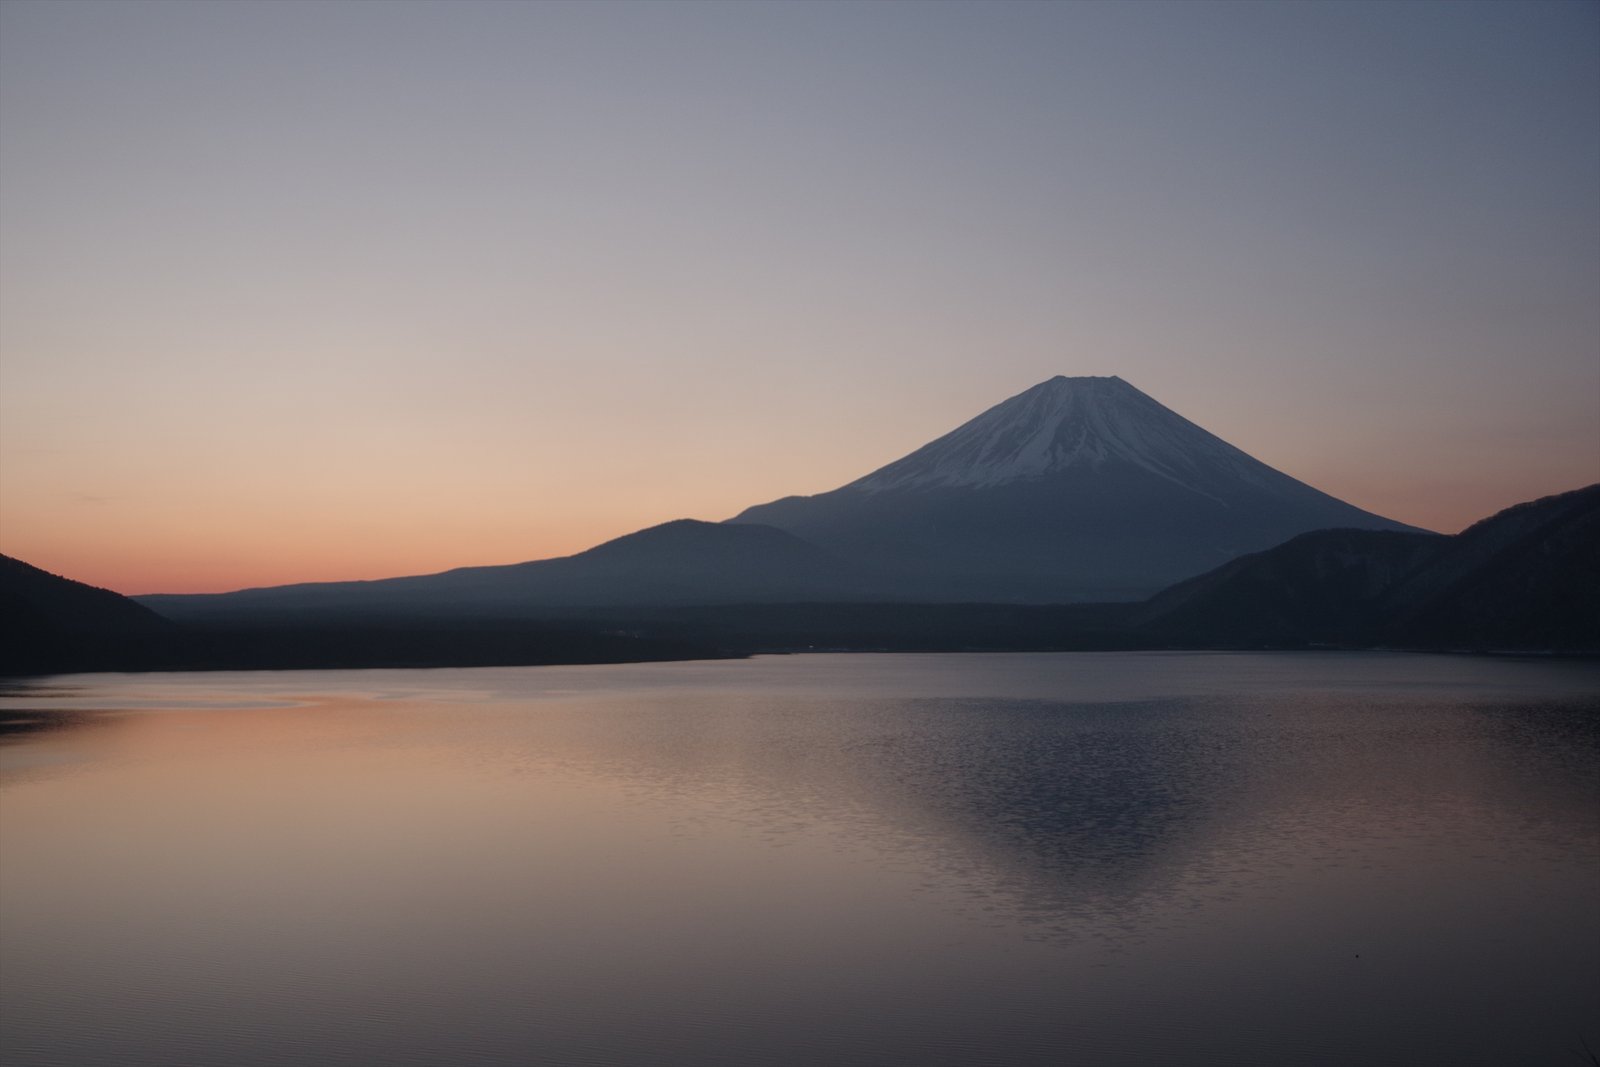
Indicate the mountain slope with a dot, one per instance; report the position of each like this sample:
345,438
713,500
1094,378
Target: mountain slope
1076,489
682,562
1326,587
51,624
1525,578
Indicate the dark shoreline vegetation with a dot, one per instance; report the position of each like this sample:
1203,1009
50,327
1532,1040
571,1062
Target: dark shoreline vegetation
1525,580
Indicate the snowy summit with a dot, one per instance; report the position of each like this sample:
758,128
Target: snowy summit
1061,424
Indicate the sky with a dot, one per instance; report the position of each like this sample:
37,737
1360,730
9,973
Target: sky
298,291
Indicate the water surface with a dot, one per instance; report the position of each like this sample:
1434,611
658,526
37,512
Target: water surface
983,859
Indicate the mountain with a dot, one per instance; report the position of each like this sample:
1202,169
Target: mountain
681,562
1526,578
1076,489
1079,489
54,624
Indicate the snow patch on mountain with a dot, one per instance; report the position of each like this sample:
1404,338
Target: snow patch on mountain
1069,423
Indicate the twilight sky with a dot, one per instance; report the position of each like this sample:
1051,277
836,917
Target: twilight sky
300,291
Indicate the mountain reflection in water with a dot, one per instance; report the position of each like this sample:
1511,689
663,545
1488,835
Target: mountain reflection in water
856,859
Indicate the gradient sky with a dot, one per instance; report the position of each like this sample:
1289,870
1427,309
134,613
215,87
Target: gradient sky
297,291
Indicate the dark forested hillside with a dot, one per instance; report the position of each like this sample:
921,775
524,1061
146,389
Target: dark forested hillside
1525,578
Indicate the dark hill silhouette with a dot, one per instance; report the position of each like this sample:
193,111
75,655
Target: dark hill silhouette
1525,578
1528,577
681,562
52,624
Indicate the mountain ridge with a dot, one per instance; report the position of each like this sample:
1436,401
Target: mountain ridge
1074,489
49,622
1527,577
677,562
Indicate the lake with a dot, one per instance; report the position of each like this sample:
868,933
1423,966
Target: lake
1121,858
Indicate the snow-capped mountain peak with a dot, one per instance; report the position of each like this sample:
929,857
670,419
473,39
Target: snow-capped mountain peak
1066,423
1079,488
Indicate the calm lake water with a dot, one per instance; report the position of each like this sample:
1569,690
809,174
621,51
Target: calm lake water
982,859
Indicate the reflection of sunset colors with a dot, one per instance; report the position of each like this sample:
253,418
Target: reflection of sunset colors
301,292
806,859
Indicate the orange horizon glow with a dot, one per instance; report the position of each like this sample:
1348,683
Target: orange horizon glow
330,292
155,559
